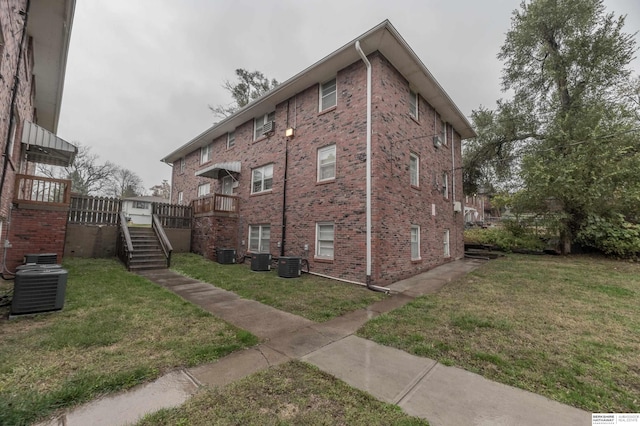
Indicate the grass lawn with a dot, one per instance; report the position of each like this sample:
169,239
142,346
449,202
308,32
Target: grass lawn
116,330
564,327
315,298
294,393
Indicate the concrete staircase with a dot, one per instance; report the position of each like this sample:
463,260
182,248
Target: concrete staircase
147,252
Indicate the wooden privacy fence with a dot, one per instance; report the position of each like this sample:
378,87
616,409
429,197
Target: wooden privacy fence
173,215
90,210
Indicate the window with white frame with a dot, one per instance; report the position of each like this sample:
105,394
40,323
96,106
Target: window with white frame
327,163
259,238
259,123
413,104
183,164
180,197
414,169
205,154
262,179
231,139
415,242
204,189
324,240
443,124
328,95
445,184
447,252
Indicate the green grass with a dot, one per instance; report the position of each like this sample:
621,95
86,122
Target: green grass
315,298
294,393
564,327
116,330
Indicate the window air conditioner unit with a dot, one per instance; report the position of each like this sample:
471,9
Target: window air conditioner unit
261,262
226,256
269,126
457,206
41,258
38,290
437,141
289,267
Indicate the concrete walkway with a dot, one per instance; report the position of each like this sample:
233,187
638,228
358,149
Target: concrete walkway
421,386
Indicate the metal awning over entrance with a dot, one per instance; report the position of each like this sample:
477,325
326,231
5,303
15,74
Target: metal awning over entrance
214,170
46,148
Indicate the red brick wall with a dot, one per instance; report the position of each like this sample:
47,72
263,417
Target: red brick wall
36,231
395,204
210,233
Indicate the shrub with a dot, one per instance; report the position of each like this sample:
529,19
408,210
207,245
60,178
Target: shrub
611,235
504,239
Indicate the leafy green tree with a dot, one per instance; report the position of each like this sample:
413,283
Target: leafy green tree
250,85
566,141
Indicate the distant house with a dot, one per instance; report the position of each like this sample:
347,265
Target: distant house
138,210
353,164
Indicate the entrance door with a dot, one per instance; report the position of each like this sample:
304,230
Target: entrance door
227,189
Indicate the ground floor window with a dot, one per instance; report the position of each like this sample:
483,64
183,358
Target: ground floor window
415,242
447,252
324,240
259,238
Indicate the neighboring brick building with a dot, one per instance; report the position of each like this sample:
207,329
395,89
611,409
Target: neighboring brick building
34,40
295,161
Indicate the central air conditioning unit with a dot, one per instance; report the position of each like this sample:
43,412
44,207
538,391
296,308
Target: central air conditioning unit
261,262
289,267
41,258
226,256
457,206
38,290
269,126
437,141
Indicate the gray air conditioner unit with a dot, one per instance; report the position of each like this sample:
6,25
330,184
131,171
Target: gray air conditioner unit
38,290
41,258
261,262
437,141
226,256
289,267
269,126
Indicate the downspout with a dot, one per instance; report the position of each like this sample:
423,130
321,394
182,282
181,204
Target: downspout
16,83
368,189
284,189
453,183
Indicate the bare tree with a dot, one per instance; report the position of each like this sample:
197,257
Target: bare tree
162,190
125,183
250,86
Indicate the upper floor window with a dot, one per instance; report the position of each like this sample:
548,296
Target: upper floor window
205,154
328,95
444,132
327,163
204,189
415,242
262,179
324,240
445,184
414,169
182,164
261,124
231,139
413,104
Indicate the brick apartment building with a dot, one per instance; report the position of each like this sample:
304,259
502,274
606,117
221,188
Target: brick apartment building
34,40
352,164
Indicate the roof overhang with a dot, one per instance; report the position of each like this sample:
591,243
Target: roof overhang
46,148
214,170
50,24
384,38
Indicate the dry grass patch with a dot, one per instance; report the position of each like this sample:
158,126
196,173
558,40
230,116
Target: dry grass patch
294,393
564,327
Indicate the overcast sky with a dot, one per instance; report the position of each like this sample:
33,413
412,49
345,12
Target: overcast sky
141,73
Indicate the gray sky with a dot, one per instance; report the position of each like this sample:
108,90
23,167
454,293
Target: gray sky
141,73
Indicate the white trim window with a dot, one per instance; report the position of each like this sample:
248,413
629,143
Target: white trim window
328,95
231,139
415,242
183,164
262,179
259,122
325,240
445,185
205,154
447,251
259,238
444,132
413,104
414,169
327,163
204,189
180,197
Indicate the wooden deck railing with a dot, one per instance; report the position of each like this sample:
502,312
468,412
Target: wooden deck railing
216,203
173,215
42,190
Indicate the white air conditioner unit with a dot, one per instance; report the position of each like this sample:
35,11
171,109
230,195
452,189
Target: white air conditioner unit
457,206
269,126
437,141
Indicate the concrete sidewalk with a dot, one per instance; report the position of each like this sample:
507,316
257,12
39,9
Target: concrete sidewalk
422,387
